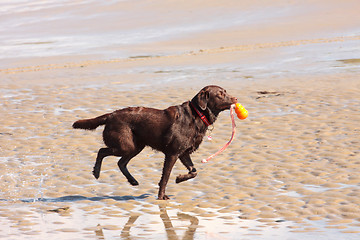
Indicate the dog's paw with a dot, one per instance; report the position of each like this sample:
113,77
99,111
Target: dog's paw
134,182
96,174
164,197
185,177
180,178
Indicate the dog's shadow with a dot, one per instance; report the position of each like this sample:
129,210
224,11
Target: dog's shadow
76,198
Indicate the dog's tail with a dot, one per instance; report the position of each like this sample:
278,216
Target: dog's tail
91,124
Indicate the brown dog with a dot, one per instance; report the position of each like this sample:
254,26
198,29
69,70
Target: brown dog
176,131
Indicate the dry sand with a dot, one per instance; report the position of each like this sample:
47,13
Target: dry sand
291,172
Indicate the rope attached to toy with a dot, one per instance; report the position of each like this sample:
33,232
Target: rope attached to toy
232,136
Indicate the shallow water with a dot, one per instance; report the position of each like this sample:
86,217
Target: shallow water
38,30
90,27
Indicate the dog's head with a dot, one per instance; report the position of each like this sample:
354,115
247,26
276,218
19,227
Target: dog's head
214,98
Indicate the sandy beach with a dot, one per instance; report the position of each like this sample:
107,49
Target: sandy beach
292,171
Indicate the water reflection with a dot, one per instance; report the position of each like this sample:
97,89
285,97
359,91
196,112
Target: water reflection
168,225
170,231
125,232
99,232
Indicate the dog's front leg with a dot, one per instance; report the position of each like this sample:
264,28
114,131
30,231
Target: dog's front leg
186,160
168,165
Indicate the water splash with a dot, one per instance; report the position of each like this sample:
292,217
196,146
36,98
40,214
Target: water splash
40,189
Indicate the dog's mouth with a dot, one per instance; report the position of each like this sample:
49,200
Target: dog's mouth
227,105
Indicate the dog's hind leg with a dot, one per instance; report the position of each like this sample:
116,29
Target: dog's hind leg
103,152
186,160
122,163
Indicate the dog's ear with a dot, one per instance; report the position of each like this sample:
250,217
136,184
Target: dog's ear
202,99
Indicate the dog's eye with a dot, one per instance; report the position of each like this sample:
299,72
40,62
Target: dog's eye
220,95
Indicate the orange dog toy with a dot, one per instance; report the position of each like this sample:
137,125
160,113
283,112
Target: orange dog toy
241,112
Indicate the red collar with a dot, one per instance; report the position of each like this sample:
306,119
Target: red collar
202,116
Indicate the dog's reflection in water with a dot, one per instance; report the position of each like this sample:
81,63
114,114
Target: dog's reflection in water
170,231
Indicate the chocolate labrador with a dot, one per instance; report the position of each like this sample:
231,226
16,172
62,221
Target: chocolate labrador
177,131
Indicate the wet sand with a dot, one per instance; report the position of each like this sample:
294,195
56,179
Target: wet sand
293,164
291,172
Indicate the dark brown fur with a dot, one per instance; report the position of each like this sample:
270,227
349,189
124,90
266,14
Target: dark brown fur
176,131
